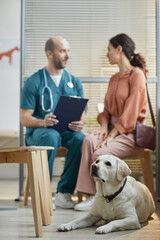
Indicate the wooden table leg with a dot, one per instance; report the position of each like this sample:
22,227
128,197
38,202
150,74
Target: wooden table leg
34,188
43,197
26,190
47,180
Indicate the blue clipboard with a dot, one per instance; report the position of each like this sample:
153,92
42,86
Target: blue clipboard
68,109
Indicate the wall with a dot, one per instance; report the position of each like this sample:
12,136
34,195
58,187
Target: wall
10,79
9,72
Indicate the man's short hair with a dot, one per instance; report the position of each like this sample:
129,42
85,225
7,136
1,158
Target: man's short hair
50,45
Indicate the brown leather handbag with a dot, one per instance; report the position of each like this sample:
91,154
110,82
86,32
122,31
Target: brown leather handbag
145,135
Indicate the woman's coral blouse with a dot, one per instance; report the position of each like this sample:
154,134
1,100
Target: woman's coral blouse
126,98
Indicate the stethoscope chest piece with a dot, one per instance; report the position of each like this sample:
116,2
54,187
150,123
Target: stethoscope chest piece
70,84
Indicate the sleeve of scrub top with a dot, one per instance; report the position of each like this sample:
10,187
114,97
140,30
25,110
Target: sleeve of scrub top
28,96
80,92
79,88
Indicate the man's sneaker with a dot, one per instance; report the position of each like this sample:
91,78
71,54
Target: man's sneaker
85,205
63,200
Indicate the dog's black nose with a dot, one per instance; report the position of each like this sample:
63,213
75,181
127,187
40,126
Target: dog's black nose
94,169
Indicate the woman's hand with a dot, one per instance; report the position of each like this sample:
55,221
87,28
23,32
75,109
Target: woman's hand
113,133
101,132
50,120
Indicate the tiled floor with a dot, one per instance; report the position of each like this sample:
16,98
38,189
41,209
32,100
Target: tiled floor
17,222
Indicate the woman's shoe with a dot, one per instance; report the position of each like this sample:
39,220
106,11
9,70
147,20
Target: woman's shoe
85,205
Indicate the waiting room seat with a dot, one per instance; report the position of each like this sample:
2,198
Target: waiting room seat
147,170
144,155
38,175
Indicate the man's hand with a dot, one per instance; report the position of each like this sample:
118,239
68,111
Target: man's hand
50,120
76,126
28,120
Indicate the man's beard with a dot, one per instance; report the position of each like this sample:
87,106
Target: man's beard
58,64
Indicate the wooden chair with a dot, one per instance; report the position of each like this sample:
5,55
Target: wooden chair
62,151
144,155
39,182
147,169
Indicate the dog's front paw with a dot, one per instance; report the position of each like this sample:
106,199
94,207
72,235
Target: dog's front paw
102,230
66,227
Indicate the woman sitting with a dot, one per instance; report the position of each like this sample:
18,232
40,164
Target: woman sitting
125,102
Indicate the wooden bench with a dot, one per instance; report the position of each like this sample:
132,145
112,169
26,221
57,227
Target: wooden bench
38,180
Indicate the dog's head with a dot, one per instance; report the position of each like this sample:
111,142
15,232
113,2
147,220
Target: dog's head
108,168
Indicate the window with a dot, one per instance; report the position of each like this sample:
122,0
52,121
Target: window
88,25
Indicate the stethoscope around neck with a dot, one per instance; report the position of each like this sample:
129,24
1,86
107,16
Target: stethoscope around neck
47,88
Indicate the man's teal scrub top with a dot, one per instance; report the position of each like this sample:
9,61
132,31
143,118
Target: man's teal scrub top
31,97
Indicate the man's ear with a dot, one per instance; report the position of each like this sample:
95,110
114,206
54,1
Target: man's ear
49,54
122,170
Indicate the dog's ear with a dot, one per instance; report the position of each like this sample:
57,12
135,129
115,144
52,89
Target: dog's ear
122,170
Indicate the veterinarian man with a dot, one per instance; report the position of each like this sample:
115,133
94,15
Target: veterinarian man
39,98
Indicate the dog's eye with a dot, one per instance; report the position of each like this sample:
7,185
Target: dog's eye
108,164
97,161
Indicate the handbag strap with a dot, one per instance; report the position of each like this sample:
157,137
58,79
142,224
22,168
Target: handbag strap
149,103
150,107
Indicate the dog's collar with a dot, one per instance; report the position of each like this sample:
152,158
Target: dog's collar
111,197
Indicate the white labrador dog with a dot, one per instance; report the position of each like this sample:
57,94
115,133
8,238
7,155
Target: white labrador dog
120,200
